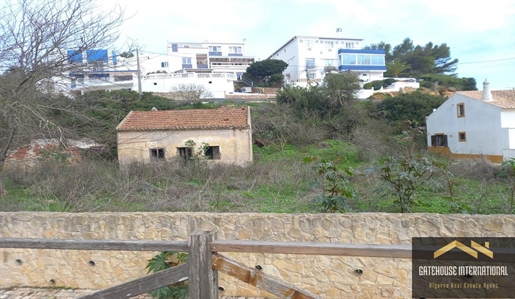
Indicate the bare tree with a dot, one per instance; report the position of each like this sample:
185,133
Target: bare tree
191,92
35,39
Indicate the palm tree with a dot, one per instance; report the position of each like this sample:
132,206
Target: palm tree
396,67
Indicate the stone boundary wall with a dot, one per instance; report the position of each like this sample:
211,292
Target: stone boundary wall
330,277
251,96
268,90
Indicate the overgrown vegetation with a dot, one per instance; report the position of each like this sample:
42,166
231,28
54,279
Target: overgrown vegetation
365,160
442,82
277,181
334,183
35,41
363,149
509,167
415,107
408,173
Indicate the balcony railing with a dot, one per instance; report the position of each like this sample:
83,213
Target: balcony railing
190,75
230,66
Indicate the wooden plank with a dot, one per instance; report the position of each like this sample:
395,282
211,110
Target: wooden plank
140,245
259,279
203,283
143,285
335,249
338,249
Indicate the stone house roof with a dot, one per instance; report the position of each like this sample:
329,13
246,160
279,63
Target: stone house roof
193,119
501,98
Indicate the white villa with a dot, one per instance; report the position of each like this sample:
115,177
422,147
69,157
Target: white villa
309,58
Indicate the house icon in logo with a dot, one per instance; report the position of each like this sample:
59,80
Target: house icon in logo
472,251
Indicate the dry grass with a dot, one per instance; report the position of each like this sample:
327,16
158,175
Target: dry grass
277,181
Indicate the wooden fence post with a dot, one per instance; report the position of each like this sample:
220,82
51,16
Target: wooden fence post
203,280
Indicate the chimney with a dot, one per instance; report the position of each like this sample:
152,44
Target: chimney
487,94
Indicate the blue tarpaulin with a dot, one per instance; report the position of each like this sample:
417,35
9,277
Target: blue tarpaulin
115,59
74,56
97,55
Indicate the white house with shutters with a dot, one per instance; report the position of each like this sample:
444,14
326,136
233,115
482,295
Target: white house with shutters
475,124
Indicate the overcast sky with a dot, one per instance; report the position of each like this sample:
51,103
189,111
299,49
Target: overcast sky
481,34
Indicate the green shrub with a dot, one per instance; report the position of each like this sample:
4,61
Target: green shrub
379,83
335,185
165,260
448,82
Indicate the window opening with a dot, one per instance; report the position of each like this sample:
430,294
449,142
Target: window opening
213,152
462,136
185,153
461,109
439,140
157,153
310,63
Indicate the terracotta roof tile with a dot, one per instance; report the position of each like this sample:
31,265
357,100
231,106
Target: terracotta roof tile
501,98
193,119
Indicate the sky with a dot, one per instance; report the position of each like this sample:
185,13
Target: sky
481,34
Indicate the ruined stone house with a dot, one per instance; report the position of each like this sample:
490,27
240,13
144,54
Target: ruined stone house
220,135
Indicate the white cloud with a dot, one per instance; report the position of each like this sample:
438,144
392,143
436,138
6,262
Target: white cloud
472,16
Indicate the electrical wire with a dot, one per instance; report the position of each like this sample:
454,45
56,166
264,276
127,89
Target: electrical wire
485,61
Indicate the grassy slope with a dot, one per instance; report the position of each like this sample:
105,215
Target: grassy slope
277,182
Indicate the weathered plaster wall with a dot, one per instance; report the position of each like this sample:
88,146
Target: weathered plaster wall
331,277
235,145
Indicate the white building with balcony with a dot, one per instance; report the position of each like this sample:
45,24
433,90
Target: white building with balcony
215,66
308,56
211,57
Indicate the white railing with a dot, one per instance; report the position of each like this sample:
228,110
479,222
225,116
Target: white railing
97,83
217,75
230,66
190,75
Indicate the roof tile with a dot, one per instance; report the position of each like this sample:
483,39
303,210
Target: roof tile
501,98
192,119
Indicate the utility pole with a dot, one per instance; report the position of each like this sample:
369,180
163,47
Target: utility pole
139,73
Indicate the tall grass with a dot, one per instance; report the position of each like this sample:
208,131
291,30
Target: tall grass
277,181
